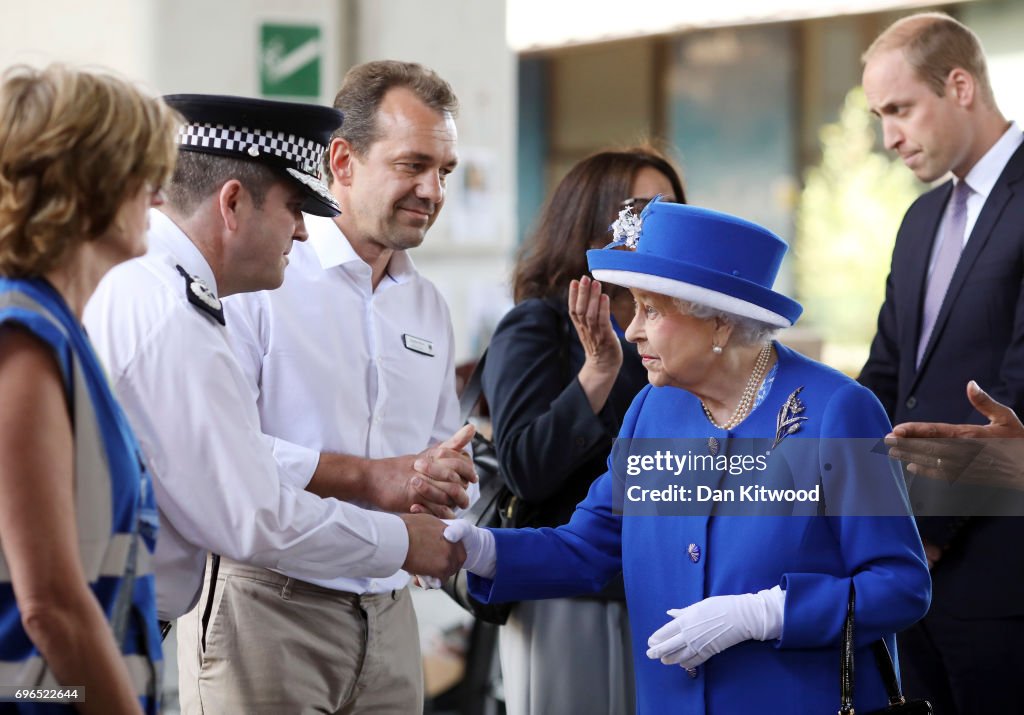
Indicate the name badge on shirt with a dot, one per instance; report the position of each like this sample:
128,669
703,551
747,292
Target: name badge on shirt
418,345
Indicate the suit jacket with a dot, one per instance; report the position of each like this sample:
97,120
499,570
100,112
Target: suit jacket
673,561
979,334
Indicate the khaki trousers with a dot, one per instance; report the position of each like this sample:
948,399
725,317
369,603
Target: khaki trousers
278,645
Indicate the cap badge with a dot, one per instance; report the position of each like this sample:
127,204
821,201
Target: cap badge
316,186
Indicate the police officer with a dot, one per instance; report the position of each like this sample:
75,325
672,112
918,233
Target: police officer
246,171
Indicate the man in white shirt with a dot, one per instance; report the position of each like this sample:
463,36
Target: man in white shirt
247,169
953,311
351,364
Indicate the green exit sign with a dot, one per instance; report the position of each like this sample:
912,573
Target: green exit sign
290,59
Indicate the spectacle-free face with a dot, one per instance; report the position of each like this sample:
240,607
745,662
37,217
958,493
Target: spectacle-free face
929,132
394,193
675,347
127,234
259,255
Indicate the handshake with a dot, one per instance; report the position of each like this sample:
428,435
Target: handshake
430,486
438,549
422,489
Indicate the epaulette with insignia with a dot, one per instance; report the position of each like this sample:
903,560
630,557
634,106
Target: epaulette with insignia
200,295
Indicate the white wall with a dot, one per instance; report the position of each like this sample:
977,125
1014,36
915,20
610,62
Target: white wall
113,33
170,45
213,46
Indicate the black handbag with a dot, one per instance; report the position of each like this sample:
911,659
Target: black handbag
898,705
496,507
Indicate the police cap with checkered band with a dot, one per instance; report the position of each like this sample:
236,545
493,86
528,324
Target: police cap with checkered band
288,137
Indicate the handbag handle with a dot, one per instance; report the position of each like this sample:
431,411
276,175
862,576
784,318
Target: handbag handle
882,660
888,672
473,389
846,658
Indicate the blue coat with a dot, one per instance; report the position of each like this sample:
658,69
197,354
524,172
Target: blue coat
812,558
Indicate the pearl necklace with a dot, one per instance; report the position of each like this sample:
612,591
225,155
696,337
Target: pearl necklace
749,392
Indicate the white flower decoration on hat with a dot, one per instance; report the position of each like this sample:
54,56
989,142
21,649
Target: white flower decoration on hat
626,229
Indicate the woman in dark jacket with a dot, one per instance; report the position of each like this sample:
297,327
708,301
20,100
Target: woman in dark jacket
557,403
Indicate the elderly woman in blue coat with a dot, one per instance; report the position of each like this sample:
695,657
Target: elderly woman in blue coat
751,607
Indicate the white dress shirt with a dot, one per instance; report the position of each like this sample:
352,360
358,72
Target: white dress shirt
338,367
216,482
981,178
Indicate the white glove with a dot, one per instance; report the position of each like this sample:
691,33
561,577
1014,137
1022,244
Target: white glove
708,627
429,583
481,553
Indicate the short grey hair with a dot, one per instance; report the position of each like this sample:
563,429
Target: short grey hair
746,331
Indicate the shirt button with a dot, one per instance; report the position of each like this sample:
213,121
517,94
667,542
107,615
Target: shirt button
911,402
694,552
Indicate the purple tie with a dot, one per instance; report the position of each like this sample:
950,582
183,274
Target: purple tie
946,258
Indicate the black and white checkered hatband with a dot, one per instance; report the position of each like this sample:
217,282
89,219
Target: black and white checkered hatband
300,156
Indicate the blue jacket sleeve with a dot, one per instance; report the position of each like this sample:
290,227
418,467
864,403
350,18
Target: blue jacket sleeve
571,560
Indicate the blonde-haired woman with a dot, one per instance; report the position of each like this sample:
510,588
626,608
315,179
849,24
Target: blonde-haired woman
82,158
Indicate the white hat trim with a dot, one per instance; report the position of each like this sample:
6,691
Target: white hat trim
693,293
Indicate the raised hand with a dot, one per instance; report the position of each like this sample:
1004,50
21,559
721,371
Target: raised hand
590,311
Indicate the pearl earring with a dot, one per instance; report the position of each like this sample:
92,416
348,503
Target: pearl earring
716,349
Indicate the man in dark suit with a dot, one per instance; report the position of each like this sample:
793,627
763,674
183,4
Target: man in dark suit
953,311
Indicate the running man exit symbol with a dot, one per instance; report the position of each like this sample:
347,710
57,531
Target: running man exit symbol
290,57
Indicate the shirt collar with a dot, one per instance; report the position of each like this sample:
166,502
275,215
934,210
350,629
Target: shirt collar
332,249
165,236
983,176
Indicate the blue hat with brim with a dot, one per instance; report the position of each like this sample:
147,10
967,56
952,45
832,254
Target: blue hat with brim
704,257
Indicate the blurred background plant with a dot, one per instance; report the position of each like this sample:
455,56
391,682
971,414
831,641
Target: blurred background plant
846,223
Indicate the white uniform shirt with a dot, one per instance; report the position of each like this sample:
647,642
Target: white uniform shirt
217,484
338,367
